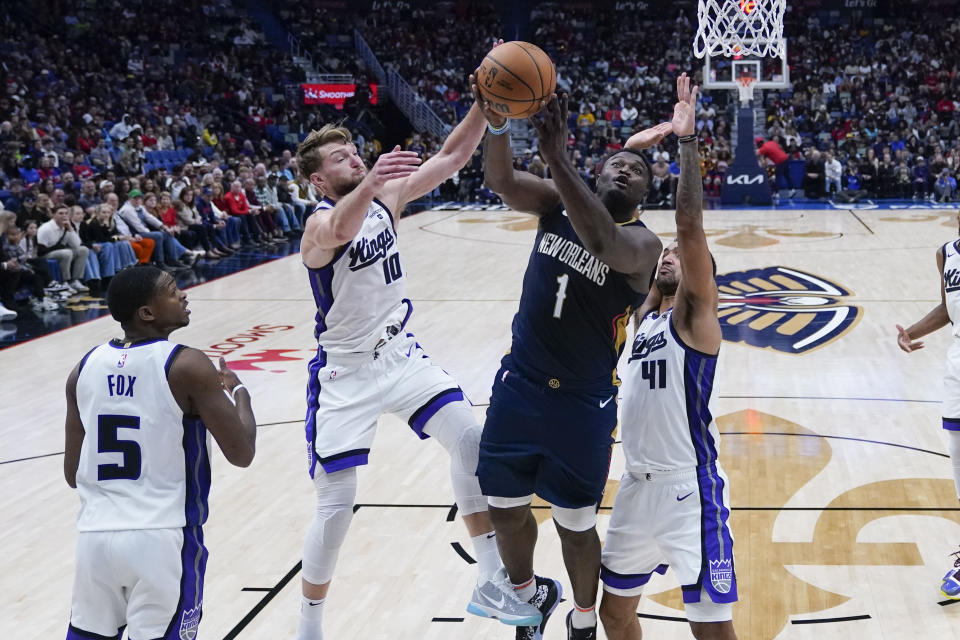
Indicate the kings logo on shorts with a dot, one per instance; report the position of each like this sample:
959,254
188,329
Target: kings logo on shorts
721,575
189,622
783,309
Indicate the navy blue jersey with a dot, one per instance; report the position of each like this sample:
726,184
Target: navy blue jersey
574,311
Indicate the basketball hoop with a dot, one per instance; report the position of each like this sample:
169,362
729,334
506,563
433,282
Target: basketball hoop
745,87
739,28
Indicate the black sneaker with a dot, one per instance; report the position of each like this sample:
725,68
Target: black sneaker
590,633
546,600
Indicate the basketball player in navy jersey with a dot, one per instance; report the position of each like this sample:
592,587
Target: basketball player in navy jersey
553,409
672,506
139,413
947,312
368,363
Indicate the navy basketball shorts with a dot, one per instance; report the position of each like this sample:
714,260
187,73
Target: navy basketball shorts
554,443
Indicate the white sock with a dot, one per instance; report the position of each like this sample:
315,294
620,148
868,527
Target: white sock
311,618
527,590
583,618
488,556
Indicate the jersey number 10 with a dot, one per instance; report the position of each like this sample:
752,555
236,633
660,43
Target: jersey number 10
391,268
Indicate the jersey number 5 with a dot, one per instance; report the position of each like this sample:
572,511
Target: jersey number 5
655,371
107,442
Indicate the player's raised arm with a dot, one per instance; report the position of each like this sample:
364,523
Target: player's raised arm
633,250
73,431
649,137
937,318
695,314
234,427
456,151
519,190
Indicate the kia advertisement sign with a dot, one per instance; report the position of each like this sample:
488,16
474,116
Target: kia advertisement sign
335,94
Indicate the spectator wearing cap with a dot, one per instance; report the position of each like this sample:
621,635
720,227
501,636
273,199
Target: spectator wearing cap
133,218
14,200
945,187
226,229
57,240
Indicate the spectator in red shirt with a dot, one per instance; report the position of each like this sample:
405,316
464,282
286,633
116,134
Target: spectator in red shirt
775,154
235,203
265,216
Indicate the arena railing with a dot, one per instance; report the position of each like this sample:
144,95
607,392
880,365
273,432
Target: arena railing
421,116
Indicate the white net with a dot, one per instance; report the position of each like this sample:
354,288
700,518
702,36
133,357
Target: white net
739,28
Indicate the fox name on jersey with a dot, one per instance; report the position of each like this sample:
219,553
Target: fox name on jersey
572,254
143,464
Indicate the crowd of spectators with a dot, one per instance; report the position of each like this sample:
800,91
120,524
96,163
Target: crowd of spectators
174,136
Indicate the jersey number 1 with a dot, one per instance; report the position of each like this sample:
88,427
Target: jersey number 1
561,294
107,442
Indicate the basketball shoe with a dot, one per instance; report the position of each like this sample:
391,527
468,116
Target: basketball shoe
545,600
950,587
497,599
589,633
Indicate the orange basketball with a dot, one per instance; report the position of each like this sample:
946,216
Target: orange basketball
515,77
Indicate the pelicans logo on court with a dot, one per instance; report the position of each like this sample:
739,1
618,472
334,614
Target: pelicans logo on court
783,309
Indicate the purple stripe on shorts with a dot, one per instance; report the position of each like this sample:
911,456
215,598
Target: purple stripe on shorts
951,424
79,634
628,581
345,460
422,415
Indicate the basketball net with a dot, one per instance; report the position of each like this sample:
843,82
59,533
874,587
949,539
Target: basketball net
739,28
745,87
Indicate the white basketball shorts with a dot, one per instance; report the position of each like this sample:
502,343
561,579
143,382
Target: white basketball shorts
347,394
675,519
951,389
149,580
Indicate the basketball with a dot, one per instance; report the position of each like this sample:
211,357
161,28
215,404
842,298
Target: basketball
515,77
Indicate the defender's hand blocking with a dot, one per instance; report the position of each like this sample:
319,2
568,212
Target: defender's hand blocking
552,130
649,137
393,165
905,342
685,111
495,119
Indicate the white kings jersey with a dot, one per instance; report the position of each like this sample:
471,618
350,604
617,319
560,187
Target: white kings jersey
360,294
143,463
666,422
951,282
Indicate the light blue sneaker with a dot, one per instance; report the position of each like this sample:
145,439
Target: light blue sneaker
497,599
950,587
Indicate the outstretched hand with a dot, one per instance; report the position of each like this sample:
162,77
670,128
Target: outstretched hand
685,111
393,165
494,118
905,342
649,137
551,126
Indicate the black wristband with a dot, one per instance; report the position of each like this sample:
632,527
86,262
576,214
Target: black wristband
689,138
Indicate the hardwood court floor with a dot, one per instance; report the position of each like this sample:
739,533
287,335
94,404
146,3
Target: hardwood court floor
844,510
